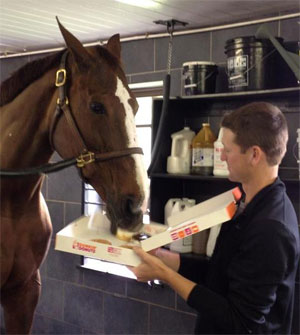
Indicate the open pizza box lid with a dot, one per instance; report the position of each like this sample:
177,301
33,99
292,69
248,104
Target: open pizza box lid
80,237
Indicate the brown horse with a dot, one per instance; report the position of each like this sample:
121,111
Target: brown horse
87,112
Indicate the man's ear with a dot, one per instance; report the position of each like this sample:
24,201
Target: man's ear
256,154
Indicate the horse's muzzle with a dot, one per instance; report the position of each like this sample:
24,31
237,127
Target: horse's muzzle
126,214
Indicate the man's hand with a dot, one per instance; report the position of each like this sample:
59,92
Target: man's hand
151,267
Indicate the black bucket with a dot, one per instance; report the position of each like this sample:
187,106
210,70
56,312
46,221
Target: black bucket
199,77
251,63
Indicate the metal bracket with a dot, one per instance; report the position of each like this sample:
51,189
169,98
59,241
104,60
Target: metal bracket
171,24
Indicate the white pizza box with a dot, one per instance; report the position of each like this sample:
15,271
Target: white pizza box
77,237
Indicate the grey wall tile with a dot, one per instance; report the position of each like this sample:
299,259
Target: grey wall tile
45,187
124,316
195,47
149,76
166,321
56,210
32,58
65,185
161,295
59,327
43,269
40,325
55,157
293,120
63,266
290,29
51,299
104,281
220,37
222,79
137,56
9,65
181,305
296,321
156,76
83,307
72,212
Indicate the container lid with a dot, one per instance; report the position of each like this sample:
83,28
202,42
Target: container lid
198,63
250,41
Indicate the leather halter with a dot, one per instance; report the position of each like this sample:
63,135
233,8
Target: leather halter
62,107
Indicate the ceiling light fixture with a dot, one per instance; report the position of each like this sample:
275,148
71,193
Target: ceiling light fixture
140,3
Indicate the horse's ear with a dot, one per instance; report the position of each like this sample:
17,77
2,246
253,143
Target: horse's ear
114,45
74,45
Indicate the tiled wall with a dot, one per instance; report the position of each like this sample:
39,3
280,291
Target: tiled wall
78,301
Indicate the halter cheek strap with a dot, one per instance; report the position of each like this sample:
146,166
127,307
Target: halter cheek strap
62,107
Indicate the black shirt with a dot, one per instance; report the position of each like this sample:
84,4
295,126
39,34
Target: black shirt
248,284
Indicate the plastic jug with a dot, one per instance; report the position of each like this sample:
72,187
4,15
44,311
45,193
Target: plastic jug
220,167
203,151
180,159
169,207
212,238
173,206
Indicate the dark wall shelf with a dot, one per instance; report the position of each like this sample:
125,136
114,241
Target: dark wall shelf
192,111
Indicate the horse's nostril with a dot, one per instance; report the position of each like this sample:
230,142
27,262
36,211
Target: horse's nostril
132,206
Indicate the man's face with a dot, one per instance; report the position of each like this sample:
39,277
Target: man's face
238,162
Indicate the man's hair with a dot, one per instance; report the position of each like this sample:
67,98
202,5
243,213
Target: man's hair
261,124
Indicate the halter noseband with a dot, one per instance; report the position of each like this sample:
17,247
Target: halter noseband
62,105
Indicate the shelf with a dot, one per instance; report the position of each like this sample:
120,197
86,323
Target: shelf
264,93
188,176
284,177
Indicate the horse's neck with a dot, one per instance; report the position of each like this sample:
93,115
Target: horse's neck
24,142
25,125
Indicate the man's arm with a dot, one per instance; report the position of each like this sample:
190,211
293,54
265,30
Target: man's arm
164,267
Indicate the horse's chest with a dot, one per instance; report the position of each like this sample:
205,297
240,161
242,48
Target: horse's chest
23,247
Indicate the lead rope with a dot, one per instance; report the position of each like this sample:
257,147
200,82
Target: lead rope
170,29
165,107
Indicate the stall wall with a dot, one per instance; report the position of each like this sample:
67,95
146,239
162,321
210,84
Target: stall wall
78,301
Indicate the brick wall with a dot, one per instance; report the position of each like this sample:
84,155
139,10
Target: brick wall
80,301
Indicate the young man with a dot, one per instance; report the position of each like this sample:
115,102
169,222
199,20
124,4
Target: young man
247,286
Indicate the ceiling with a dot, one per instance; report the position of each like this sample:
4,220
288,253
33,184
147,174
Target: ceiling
30,25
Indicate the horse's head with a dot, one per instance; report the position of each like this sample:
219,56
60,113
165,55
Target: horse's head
104,108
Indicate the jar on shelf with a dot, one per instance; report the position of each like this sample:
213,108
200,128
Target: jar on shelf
203,151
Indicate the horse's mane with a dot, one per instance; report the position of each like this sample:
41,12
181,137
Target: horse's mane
20,79
24,76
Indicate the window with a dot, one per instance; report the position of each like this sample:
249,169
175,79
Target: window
92,201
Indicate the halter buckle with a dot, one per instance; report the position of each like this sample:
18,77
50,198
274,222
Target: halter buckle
84,159
61,76
61,102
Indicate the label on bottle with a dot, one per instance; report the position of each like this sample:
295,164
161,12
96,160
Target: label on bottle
218,163
203,157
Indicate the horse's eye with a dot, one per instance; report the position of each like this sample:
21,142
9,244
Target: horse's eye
97,107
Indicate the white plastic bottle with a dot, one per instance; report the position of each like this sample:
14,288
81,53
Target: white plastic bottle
220,167
183,245
181,153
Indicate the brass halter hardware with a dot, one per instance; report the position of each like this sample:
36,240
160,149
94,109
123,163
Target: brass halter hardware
85,158
61,77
